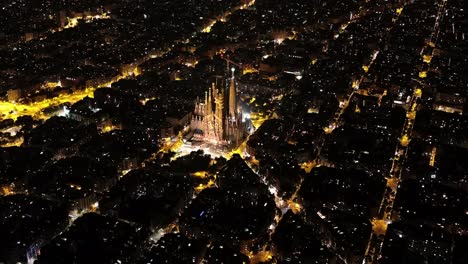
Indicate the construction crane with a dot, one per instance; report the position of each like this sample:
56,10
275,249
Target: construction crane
228,61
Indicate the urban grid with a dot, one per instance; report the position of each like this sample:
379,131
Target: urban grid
233,132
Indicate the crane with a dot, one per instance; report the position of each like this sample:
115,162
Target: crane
232,62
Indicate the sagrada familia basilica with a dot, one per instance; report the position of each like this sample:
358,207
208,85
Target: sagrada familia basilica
213,123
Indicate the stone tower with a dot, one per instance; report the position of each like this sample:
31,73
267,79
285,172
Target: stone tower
232,97
219,102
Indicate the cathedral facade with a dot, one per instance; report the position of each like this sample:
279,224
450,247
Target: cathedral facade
214,123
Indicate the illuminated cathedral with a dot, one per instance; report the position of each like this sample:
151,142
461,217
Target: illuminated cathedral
213,123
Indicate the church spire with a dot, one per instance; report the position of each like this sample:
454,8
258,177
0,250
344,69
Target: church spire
232,96
209,102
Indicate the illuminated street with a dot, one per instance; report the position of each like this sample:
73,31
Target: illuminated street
373,251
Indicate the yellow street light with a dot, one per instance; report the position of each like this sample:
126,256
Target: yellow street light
427,58
404,141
